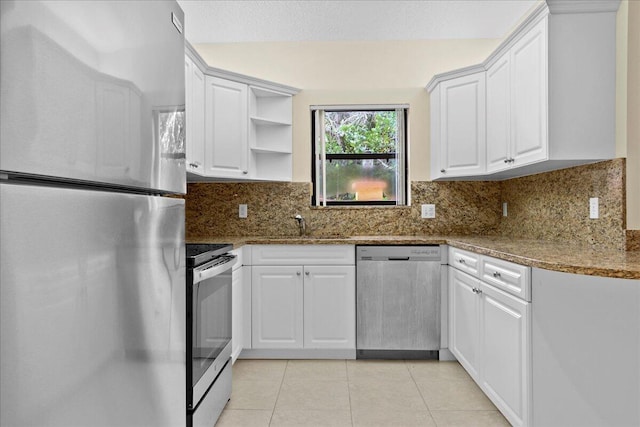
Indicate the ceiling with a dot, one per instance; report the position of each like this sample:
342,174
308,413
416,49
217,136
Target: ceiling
217,21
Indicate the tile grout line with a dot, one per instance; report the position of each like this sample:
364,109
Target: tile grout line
284,373
421,395
346,368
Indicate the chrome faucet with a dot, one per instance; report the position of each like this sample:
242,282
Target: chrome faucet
301,224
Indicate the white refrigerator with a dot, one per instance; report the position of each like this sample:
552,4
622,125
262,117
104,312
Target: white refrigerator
92,262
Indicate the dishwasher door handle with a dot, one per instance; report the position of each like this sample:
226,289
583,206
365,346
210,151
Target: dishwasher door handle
406,258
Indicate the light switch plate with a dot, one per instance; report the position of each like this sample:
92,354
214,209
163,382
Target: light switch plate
242,211
594,208
428,211
504,209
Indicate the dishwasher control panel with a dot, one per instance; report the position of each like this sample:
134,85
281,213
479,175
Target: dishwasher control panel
398,253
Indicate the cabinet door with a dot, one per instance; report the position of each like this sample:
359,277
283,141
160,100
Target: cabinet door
529,96
236,312
462,126
276,307
498,115
226,142
464,314
194,108
505,349
330,307
246,306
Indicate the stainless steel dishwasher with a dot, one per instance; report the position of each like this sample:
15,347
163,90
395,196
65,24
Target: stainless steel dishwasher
398,302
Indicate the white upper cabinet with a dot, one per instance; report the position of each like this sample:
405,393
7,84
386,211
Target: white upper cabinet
499,115
550,97
460,131
528,104
517,103
238,127
194,108
226,144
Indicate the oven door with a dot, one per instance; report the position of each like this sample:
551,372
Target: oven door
210,324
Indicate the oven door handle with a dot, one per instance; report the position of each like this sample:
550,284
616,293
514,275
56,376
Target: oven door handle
208,272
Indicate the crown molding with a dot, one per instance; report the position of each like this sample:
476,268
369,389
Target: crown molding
543,10
583,6
236,77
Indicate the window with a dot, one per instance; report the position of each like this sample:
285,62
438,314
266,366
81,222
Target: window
359,155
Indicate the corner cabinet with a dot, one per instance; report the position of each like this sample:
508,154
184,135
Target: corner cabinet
238,127
458,126
550,101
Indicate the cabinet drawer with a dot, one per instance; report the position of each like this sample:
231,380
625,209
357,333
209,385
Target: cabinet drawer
303,255
465,261
512,278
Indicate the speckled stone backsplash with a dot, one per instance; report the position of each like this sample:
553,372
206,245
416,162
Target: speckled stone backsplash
633,240
550,206
555,205
461,208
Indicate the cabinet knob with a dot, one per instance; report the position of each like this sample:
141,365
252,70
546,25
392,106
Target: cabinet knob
461,261
442,170
476,290
306,273
496,274
506,160
511,160
245,172
298,273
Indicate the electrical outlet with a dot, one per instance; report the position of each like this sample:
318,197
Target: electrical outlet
504,208
242,211
593,208
428,211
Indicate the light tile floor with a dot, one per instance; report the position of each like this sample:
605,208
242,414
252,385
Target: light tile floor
356,393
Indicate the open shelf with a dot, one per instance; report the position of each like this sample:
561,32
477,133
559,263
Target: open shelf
269,150
269,122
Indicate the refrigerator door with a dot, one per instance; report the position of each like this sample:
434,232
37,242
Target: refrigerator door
92,308
94,91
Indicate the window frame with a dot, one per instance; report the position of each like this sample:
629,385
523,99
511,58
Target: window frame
401,155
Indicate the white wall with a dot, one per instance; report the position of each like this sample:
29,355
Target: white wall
633,116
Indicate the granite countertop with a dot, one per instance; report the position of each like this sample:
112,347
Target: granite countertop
556,256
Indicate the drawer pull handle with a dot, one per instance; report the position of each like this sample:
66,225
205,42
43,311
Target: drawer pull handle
476,290
461,261
496,274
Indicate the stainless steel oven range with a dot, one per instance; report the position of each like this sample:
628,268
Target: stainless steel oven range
208,331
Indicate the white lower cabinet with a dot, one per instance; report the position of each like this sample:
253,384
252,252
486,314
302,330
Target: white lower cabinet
464,312
303,301
490,336
505,361
329,306
303,306
237,283
276,307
